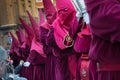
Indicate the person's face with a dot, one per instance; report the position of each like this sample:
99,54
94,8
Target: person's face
65,14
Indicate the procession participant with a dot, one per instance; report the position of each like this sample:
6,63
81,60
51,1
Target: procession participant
61,42
36,56
25,50
20,35
14,51
82,41
50,15
104,50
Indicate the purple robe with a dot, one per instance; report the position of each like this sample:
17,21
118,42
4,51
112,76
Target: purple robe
50,13
50,64
26,72
38,62
24,50
14,51
14,55
72,63
62,69
37,59
51,59
37,56
82,41
16,59
105,46
62,48
82,46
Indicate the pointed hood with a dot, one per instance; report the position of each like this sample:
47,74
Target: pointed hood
14,40
28,29
15,45
66,11
66,15
41,16
34,26
49,10
20,35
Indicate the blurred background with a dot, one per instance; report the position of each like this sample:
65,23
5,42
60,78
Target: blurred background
10,11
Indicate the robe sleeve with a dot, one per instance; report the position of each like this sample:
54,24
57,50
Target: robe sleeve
35,58
43,34
104,19
50,39
47,49
43,37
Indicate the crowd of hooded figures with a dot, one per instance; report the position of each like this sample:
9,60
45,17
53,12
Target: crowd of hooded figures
54,47
50,48
60,45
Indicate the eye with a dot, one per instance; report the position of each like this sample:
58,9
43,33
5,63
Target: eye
50,14
66,9
59,10
63,10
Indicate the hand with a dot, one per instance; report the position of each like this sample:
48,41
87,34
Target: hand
86,18
78,15
21,62
26,64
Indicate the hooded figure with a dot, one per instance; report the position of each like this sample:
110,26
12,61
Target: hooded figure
82,46
50,11
82,41
29,34
15,45
56,38
45,28
25,47
15,55
105,44
65,16
25,50
20,35
41,17
36,56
